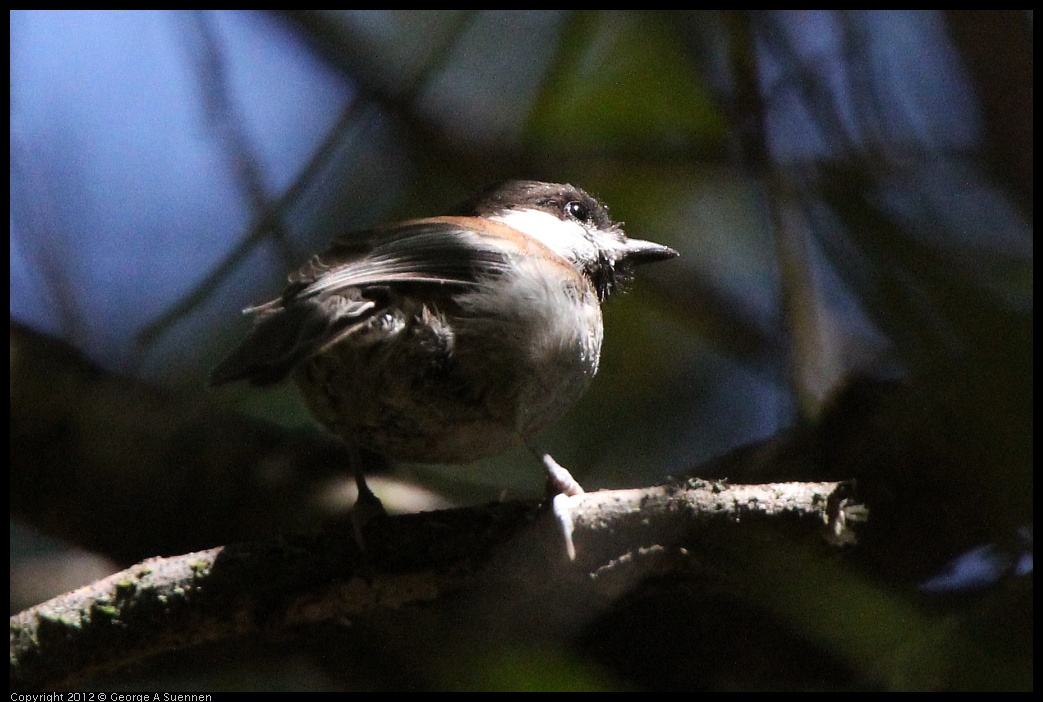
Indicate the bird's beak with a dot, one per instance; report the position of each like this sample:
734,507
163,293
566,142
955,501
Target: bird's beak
637,251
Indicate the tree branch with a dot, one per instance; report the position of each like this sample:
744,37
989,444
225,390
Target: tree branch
165,604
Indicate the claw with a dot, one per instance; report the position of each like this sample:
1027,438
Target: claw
561,508
562,485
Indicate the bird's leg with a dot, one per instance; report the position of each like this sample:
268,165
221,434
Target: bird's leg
559,479
367,505
562,486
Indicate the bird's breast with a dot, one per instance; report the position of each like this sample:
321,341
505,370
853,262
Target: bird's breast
458,379
539,330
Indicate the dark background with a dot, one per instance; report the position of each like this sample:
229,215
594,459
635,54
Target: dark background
851,195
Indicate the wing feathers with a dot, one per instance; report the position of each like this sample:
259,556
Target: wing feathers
434,252
336,292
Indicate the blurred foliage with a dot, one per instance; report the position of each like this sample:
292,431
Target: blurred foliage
623,81
834,185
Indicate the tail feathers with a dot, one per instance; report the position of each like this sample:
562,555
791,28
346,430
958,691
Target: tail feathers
284,337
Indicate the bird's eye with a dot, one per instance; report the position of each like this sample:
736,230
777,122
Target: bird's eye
578,211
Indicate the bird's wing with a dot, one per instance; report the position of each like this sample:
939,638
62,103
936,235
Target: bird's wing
338,291
442,251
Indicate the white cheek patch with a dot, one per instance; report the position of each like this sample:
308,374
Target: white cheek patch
566,238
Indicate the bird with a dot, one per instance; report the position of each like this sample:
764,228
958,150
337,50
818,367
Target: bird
451,338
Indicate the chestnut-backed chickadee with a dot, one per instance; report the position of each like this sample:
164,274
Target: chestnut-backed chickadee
447,339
